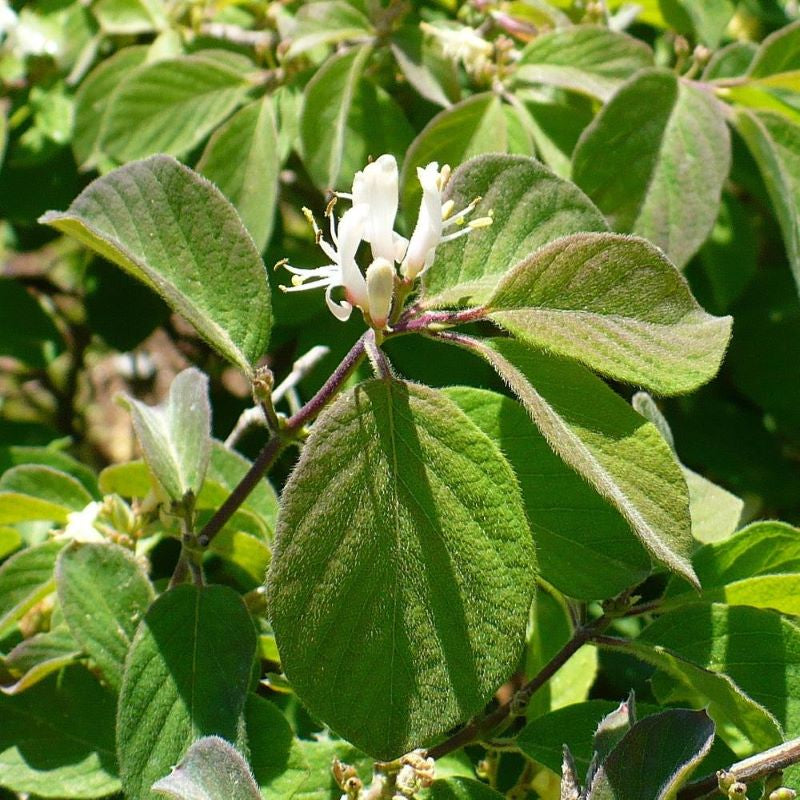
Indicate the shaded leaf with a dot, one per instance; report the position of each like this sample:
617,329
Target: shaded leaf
175,232
582,528
167,700
29,334
35,658
402,526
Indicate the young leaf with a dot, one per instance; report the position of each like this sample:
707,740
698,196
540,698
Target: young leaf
36,491
603,439
403,545
242,159
613,727
323,120
186,676
704,21
170,106
582,528
103,594
633,161
35,658
655,757
774,143
583,58
326,22
130,16
616,304
175,232
25,579
57,738
176,438
211,768
530,206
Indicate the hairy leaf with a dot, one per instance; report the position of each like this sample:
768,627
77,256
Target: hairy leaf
530,207
403,568
654,160
171,229
40,492
617,305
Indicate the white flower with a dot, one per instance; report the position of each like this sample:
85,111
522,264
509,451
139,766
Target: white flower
380,290
80,524
343,271
433,220
460,43
376,188
8,18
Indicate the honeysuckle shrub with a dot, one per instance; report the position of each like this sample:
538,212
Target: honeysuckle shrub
475,494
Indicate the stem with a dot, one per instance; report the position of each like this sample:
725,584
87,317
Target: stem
750,769
481,728
273,448
428,318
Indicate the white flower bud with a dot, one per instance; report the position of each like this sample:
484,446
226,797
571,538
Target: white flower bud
380,290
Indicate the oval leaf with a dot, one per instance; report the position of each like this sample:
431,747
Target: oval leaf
654,160
103,594
403,563
174,231
186,676
617,305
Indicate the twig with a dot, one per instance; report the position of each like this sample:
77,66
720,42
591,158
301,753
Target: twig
749,769
482,728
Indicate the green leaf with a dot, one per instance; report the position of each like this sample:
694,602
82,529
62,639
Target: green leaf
731,61
131,479
632,161
779,52
470,128
129,17
655,757
319,754
186,676
103,594
530,206
29,334
550,628
39,492
242,159
171,229
603,439
775,145
57,739
584,58
433,76
93,99
10,540
402,525
35,658
581,528
16,455
705,21
25,579
617,305
170,106
323,120
176,438
758,566
276,756
246,551
211,769
462,789
326,22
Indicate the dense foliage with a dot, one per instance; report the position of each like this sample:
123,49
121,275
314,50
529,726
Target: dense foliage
529,423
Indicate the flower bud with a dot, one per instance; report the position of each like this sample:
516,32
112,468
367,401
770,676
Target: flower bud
380,290
783,793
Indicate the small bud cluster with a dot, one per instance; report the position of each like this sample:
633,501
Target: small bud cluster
371,219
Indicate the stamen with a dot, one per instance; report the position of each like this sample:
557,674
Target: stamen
282,263
480,222
447,208
458,218
310,217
